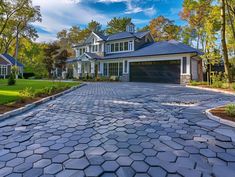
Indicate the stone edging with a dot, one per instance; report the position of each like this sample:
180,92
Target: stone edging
218,119
27,107
211,89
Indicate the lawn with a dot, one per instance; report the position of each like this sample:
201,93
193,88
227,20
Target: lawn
11,93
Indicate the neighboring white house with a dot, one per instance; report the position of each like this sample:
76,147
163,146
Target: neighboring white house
134,56
6,62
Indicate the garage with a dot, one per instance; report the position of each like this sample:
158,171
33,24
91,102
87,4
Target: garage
155,71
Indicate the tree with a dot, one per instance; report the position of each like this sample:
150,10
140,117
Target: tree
16,17
50,52
195,13
94,26
223,41
145,28
164,29
117,25
60,59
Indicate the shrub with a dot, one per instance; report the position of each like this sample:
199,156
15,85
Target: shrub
233,86
11,80
27,93
196,83
230,109
217,80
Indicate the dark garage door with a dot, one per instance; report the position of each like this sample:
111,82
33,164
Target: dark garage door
155,71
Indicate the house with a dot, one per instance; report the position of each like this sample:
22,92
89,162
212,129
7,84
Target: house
134,56
6,62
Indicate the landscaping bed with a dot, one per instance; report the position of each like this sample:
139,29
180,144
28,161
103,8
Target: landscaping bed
221,112
28,91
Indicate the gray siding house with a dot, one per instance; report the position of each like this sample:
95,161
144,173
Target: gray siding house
6,62
134,56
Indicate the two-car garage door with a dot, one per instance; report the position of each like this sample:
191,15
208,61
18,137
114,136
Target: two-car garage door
155,71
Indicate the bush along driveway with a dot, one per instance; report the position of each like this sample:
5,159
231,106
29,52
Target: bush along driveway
120,129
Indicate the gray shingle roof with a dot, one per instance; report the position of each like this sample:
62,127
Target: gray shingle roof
157,48
12,60
93,55
123,35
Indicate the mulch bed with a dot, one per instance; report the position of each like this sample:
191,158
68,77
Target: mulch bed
16,105
220,112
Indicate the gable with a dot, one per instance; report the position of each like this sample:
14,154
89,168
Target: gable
93,38
4,61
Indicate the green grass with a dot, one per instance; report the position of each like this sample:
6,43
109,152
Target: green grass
11,93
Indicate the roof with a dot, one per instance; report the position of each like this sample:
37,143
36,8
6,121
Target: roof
93,55
157,48
123,35
12,60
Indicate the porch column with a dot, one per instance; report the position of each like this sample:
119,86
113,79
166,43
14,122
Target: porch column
92,68
79,70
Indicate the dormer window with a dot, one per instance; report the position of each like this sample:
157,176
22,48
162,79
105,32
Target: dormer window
130,28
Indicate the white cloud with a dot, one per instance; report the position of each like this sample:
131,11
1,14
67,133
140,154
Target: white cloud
60,14
112,1
133,8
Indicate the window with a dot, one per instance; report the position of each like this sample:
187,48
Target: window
130,45
106,69
120,68
113,69
125,45
184,64
125,67
3,70
116,47
112,47
108,48
121,46
94,48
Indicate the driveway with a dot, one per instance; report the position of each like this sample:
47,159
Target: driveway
120,129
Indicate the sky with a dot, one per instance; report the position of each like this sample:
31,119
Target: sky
62,14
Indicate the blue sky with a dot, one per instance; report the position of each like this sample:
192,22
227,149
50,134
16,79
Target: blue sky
62,14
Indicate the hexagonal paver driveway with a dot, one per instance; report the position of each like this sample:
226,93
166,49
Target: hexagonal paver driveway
120,129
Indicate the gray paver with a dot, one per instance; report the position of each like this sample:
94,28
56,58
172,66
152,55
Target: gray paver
120,129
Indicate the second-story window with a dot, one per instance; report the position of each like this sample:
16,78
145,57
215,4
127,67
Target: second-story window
112,47
94,48
125,45
116,47
130,45
121,46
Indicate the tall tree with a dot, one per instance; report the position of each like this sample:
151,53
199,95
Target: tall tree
50,53
116,25
223,41
94,26
163,28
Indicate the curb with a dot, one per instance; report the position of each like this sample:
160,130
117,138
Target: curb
218,119
27,107
211,89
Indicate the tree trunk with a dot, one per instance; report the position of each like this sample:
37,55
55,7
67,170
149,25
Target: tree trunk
230,19
223,41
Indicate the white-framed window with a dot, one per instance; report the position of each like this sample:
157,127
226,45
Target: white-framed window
82,51
3,70
113,69
131,46
95,48
120,46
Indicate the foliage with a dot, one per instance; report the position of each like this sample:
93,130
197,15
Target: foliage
230,109
11,93
26,93
11,80
163,28
196,83
233,86
15,22
117,25
217,80
49,54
